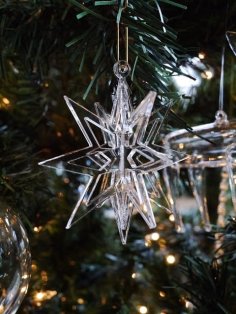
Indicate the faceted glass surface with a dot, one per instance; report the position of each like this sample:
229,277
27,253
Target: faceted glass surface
15,262
206,149
231,167
119,166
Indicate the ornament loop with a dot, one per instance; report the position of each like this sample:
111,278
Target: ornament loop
221,118
121,69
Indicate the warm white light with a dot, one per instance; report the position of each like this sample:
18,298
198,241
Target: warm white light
6,101
143,309
162,294
34,267
147,243
39,296
134,275
80,301
201,55
37,229
170,259
172,218
155,236
44,295
208,74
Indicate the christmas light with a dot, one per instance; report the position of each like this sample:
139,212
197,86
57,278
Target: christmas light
34,267
155,236
208,74
80,301
134,275
38,229
170,259
6,101
162,294
143,309
172,218
41,296
201,55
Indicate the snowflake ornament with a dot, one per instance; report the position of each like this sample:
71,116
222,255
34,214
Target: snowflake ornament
119,167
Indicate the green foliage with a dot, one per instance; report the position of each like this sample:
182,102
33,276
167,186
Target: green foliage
92,29
50,48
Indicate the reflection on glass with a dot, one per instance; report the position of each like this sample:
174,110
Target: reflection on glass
231,37
14,262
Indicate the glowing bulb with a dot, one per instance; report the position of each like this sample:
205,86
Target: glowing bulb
143,309
170,259
208,74
172,218
162,294
155,236
134,275
148,243
6,101
201,55
80,301
37,229
34,267
39,296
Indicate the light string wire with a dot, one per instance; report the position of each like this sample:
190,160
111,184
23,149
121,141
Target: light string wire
126,37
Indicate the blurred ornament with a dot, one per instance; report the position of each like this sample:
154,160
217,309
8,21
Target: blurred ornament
15,262
206,145
120,164
231,37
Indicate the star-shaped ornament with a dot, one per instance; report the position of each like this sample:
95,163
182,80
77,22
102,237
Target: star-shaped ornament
119,167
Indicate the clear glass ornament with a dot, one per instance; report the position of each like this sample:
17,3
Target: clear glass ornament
15,261
206,146
231,168
119,166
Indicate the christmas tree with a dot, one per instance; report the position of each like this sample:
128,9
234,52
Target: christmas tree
54,48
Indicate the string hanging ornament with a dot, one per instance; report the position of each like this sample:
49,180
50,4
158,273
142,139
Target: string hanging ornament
119,167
